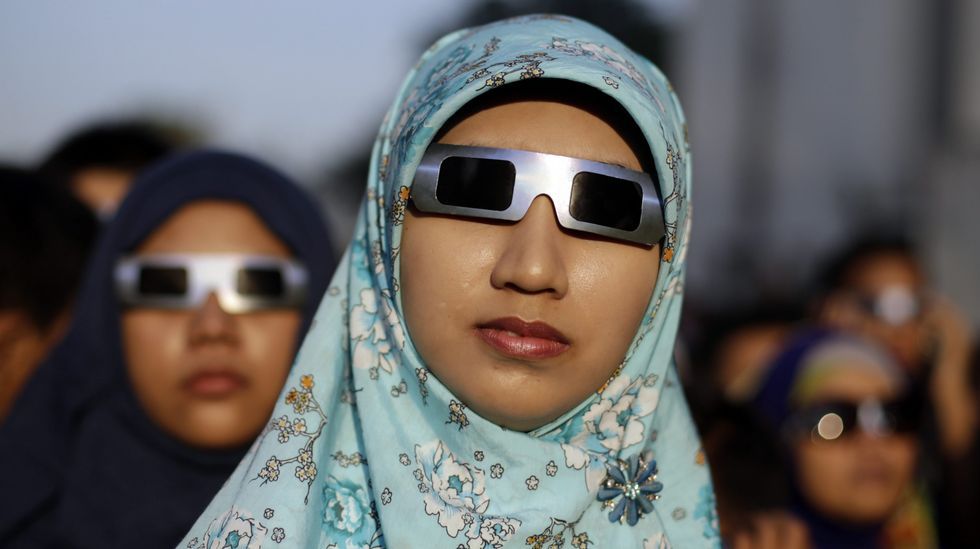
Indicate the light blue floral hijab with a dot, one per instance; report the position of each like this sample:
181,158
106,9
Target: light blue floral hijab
368,449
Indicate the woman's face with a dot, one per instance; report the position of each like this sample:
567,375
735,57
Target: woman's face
860,477
522,321
207,377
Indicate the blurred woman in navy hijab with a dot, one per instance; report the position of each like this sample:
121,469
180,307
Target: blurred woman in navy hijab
187,322
846,418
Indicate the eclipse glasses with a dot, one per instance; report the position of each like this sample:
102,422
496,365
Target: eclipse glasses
500,184
242,283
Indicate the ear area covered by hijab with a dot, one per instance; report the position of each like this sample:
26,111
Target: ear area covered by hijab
366,448
85,465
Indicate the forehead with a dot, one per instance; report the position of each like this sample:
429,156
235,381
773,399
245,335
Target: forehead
579,126
214,226
884,269
852,383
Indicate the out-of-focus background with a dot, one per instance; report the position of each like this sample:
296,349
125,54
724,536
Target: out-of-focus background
814,126
810,122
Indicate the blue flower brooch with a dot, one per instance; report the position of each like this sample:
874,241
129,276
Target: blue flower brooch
629,489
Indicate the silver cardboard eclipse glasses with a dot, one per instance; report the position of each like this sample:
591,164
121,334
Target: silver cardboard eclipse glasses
241,282
588,196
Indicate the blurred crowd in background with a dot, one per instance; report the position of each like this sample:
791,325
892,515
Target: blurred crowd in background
829,337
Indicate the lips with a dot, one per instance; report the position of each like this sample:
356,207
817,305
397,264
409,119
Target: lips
873,472
217,383
516,338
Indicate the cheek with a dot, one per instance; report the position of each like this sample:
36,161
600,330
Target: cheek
21,351
268,341
153,344
613,284
444,263
823,470
621,273
902,453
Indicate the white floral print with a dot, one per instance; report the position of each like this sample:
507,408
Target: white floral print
372,324
455,488
551,469
235,528
347,515
610,426
270,473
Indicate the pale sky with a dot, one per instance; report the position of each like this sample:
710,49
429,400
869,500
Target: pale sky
298,83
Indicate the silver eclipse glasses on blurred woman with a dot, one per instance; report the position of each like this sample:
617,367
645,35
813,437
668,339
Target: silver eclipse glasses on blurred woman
241,282
588,196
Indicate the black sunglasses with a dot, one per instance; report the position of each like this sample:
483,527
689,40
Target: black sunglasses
834,420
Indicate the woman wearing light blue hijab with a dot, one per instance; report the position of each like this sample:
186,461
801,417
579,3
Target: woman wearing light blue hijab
490,368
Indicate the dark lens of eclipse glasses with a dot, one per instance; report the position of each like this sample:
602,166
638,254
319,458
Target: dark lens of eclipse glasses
488,184
163,281
480,183
607,201
260,282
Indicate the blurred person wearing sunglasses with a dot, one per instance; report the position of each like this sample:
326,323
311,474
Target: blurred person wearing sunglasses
878,288
846,420
501,336
187,324
45,238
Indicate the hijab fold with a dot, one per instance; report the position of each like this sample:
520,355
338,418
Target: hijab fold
366,448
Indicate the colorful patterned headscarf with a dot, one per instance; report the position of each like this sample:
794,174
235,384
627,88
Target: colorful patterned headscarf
368,449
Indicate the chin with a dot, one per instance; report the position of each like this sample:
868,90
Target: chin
870,516
207,441
219,433
867,512
521,420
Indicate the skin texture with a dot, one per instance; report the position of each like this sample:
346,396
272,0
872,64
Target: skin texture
22,348
458,274
859,478
101,189
164,349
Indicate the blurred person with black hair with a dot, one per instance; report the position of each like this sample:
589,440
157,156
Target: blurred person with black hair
45,237
878,288
98,162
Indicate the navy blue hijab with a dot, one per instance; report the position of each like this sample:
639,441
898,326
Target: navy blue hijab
81,465
773,404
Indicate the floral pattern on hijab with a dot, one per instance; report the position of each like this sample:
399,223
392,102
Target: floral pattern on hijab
368,449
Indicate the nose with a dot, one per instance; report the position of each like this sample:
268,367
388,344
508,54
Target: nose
532,261
212,324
